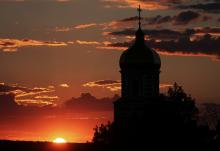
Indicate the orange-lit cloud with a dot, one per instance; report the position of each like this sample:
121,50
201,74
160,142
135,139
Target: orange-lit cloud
112,48
117,24
201,31
11,45
46,97
34,102
64,85
163,86
149,4
83,26
111,85
88,42
63,29
107,46
76,27
37,96
126,22
114,85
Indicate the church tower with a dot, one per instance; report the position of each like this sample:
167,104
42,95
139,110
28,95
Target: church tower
140,69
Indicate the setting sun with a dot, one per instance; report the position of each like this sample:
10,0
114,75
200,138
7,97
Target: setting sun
59,140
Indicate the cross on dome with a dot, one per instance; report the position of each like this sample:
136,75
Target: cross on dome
139,15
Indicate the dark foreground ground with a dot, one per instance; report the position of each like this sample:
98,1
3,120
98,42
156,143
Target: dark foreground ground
49,146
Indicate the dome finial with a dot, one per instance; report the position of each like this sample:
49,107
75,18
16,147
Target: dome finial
139,32
139,16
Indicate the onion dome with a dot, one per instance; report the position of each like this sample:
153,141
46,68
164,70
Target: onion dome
139,54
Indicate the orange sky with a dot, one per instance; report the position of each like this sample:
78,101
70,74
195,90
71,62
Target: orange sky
52,51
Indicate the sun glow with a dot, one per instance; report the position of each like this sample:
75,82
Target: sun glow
59,140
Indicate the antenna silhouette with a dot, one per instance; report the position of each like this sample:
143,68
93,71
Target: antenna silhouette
139,16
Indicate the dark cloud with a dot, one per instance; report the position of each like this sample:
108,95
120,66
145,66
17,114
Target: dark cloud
184,18
135,18
205,46
7,88
107,82
87,102
208,30
211,7
206,18
168,34
7,102
162,34
159,19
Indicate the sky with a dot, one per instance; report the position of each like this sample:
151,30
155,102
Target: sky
59,59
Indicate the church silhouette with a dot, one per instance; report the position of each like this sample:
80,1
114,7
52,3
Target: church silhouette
143,115
140,69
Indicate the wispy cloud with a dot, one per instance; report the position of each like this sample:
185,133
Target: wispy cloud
76,27
114,85
83,26
87,42
46,97
37,96
12,45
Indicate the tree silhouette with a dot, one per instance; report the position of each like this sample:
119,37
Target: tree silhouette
103,133
184,102
174,119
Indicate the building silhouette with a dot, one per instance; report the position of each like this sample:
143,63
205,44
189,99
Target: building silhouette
143,116
140,70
